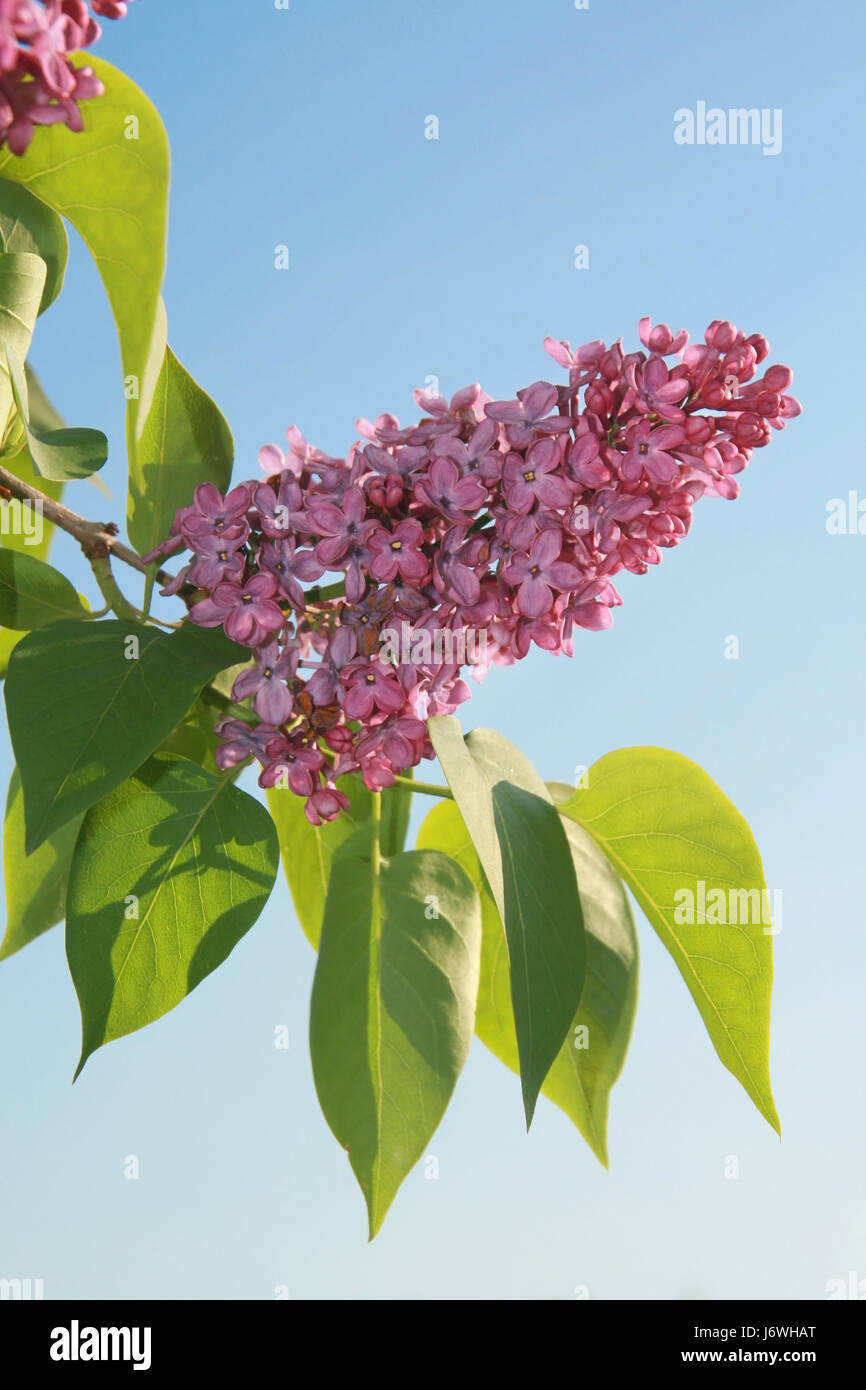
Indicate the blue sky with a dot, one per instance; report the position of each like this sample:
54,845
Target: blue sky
455,257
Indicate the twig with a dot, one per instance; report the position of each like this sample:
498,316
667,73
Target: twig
91,535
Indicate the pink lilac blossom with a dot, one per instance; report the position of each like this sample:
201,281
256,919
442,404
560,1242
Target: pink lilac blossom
506,519
39,85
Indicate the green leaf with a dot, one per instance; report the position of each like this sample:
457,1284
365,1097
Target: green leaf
23,528
8,643
592,1055
523,850
85,710
28,224
32,594
35,883
396,806
184,441
308,850
62,454
111,182
685,851
22,281
43,414
194,737
392,1009
169,872
57,454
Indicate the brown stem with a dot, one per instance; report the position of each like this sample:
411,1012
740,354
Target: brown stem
92,536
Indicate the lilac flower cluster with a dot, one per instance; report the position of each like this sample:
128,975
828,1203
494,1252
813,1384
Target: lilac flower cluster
38,83
506,517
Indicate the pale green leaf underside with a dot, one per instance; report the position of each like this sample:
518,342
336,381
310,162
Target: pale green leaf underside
111,182
308,850
674,837
580,1079
35,883
392,1010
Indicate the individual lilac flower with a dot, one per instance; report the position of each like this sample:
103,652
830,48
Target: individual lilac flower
280,513
468,400
384,427
370,685
647,454
290,567
445,691
357,564
323,685
217,562
539,572
445,490
272,460
213,514
584,462
296,766
660,339
717,467
535,477
325,804
654,390
302,455
529,415
182,577
454,566
249,614
582,363
398,552
589,607
339,526
475,455
266,683
609,512
242,741
405,462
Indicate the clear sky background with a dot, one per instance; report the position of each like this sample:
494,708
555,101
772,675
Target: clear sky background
413,257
